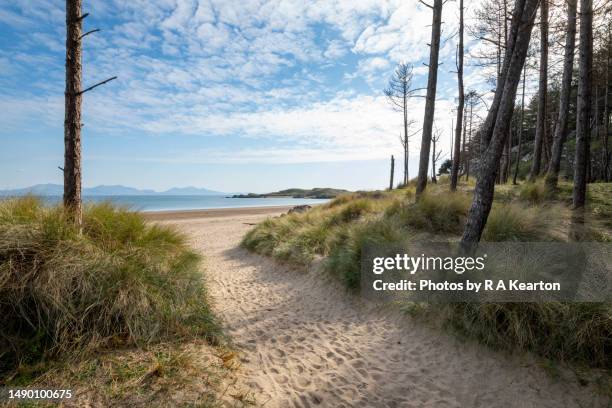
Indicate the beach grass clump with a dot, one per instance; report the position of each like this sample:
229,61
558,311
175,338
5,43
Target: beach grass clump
534,192
119,281
572,332
441,212
300,237
344,258
518,222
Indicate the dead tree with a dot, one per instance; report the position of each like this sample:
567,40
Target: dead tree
72,115
552,175
583,131
540,135
430,101
456,159
523,18
398,92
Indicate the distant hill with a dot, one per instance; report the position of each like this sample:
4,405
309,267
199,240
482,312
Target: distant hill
298,193
58,190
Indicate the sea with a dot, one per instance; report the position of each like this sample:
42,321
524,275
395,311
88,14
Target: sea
147,203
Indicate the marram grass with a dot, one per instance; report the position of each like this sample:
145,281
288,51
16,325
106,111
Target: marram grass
121,282
339,230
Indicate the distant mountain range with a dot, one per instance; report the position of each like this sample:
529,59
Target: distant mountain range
58,190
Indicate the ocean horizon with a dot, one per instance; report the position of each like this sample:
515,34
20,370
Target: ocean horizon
148,203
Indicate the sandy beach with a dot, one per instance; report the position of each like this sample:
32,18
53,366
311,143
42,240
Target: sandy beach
304,341
215,213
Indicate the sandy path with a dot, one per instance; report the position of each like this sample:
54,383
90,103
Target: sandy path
307,343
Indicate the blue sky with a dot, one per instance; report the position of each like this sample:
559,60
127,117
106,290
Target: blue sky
250,95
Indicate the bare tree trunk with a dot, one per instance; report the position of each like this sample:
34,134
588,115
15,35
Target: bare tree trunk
468,139
406,146
507,153
583,131
520,131
392,171
607,109
591,177
72,119
463,146
433,164
435,155
522,24
406,175
564,99
457,145
430,102
540,135
506,165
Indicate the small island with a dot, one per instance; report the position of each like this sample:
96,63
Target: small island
317,193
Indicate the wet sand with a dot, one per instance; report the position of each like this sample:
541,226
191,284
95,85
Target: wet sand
215,213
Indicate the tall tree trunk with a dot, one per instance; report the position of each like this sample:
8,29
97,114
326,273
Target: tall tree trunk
468,139
508,152
564,99
392,171
506,168
406,146
522,24
583,131
463,145
457,145
430,102
72,118
406,158
452,139
520,130
607,108
542,93
433,164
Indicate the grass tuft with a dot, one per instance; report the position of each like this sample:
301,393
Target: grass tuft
517,222
435,213
534,193
121,282
578,332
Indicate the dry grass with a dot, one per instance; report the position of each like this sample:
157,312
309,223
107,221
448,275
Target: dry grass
164,374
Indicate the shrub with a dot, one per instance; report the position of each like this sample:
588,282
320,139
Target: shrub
120,281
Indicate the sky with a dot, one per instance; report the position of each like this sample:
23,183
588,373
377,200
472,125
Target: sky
234,96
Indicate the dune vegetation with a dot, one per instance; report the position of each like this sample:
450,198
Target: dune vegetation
67,295
338,230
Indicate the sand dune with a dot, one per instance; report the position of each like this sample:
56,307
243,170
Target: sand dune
305,342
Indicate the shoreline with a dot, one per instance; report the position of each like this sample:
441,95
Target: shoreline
170,215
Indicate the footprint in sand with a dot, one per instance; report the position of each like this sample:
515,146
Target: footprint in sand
322,347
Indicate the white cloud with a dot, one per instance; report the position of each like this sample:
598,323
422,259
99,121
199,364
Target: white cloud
250,68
